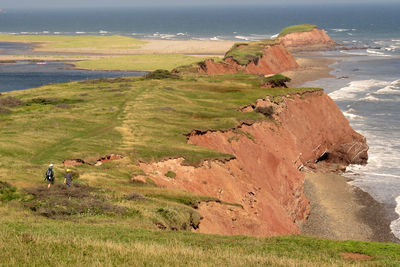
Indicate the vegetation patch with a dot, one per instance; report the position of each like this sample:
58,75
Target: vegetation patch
187,199
7,192
275,81
4,110
267,111
244,53
53,101
160,75
61,201
170,174
297,28
10,102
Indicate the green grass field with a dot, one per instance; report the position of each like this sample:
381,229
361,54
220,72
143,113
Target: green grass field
140,62
297,28
81,42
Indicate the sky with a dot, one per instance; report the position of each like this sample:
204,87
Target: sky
133,3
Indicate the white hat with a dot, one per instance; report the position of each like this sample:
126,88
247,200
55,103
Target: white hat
51,165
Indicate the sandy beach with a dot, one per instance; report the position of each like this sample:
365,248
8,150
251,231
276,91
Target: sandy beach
341,211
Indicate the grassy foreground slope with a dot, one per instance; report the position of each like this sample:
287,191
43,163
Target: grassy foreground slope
110,219
35,241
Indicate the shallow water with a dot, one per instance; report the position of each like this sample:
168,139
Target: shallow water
25,74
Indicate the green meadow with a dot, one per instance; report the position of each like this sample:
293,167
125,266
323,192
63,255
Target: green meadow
147,62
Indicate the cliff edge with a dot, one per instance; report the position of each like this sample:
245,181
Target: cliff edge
305,37
264,179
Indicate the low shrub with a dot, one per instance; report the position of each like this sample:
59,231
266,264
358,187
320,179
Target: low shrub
275,81
160,75
7,192
10,102
60,201
266,111
171,174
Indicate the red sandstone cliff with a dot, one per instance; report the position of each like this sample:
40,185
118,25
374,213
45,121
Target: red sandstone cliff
315,39
275,59
264,177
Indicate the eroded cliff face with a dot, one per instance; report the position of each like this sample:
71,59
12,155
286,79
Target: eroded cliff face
264,178
315,39
275,59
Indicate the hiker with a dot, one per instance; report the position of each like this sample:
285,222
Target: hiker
50,175
68,178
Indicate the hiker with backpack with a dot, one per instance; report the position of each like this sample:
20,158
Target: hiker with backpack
68,178
50,176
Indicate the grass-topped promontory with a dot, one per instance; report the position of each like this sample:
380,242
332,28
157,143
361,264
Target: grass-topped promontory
244,53
297,28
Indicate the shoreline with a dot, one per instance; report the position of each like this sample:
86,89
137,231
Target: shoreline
358,216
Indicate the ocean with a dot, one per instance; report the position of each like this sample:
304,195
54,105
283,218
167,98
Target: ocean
366,85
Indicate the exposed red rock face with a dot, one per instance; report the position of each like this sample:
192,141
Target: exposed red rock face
265,178
275,59
313,39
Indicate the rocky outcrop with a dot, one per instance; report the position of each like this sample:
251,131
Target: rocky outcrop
309,40
274,59
265,177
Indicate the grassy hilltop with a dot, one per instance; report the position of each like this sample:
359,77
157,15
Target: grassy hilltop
297,28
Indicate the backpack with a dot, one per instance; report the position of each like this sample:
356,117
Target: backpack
49,174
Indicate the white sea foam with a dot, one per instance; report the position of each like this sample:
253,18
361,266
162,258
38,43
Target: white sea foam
354,87
242,37
395,225
341,30
215,38
275,36
180,34
103,32
353,53
377,53
57,32
350,116
80,32
371,98
392,88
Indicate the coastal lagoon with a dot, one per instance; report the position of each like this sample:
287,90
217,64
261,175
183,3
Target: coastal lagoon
25,74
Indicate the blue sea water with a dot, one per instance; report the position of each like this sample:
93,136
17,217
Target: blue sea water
366,85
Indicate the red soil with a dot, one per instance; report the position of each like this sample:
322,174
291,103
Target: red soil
316,38
264,178
275,59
